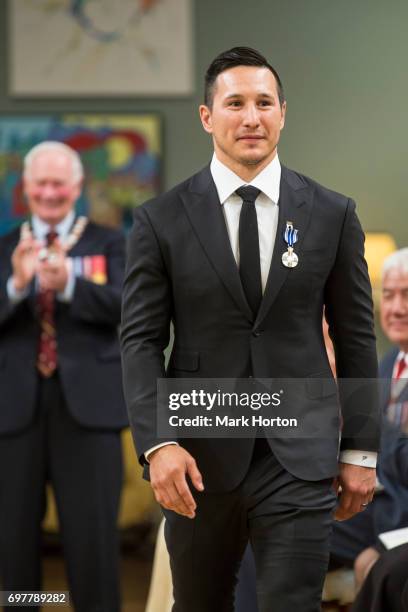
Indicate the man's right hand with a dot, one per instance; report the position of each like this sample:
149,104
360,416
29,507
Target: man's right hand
169,466
24,261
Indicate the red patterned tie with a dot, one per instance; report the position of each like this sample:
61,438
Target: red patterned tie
400,367
397,411
47,349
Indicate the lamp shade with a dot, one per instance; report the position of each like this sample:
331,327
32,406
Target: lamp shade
378,246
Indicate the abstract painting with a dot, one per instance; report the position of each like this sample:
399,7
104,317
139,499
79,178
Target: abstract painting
120,153
100,47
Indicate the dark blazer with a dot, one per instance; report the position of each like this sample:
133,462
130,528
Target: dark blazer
391,506
181,269
88,347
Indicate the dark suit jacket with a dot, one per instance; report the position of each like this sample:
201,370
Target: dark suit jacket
391,506
88,347
181,269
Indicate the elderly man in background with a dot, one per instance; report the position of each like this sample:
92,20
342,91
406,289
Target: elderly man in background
355,541
61,405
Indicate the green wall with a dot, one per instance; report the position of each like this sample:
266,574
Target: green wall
344,68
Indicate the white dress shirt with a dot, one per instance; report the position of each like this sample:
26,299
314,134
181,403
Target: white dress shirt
266,205
267,210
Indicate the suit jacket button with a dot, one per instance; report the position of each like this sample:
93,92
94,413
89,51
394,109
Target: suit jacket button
256,334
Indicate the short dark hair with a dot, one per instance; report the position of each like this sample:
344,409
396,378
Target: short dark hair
237,56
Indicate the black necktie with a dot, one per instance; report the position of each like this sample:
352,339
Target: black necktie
249,259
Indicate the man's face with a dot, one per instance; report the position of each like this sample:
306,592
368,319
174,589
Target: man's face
49,186
245,119
394,307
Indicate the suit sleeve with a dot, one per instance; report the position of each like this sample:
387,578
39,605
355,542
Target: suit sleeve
146,316
349,312
101,304
7,308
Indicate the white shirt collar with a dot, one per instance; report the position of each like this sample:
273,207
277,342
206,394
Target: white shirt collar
41,229
226,181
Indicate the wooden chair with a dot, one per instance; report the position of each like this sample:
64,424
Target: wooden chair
338,590
160,598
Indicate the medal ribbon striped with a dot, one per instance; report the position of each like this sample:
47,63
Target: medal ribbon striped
291,235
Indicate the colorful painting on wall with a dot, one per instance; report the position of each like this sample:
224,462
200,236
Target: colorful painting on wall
100,47
121,157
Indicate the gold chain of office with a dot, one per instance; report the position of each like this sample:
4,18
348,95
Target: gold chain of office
67,243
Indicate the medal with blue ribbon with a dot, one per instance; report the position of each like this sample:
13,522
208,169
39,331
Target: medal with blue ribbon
289,258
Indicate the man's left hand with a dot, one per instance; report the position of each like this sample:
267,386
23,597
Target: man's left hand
357,489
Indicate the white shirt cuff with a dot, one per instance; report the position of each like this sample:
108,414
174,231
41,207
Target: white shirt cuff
15,296
149,452
356,457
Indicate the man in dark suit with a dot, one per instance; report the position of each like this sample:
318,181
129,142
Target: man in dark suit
355,542
61,405
220,263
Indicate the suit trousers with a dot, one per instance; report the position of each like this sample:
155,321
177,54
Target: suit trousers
84,467
288,523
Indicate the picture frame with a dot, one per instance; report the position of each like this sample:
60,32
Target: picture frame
106,48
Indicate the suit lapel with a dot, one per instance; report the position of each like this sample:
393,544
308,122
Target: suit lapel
80,248
205,213
295,204
203,208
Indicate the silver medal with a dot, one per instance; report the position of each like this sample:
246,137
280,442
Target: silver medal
290,259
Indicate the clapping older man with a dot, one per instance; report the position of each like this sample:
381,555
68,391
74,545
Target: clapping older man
61,406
